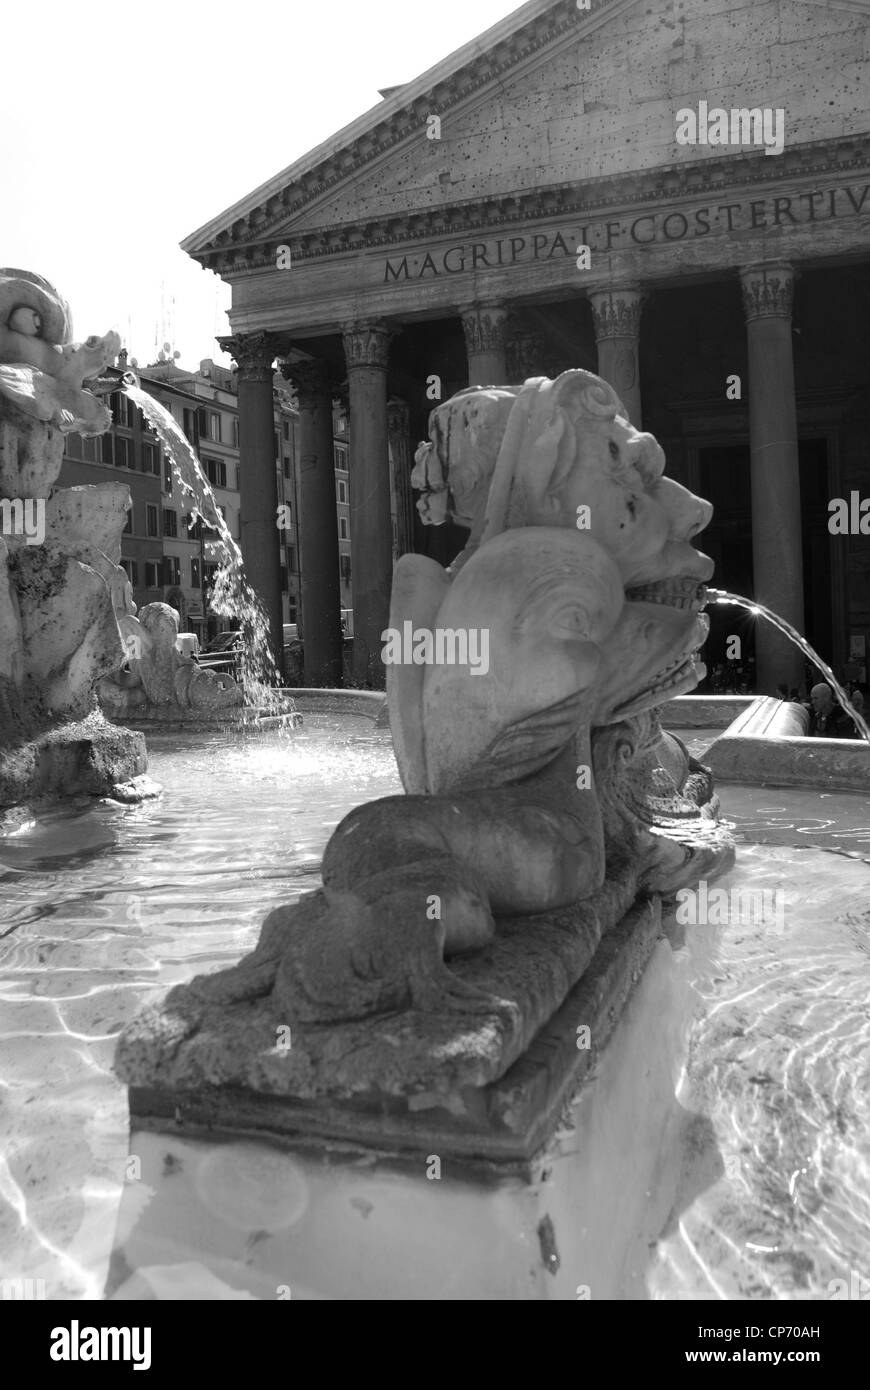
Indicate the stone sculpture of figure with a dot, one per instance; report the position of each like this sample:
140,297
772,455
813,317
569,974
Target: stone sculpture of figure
159,678
526,782
41,371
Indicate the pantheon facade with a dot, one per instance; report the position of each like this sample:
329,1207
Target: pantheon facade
438,242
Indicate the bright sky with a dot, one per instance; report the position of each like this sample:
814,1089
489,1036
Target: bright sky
123,128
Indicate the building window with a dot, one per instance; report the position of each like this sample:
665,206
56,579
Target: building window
209,424
344,567
235,431
152,521
190,423
107,452
170,522
287,466
342,491
286,429
171,570
74,446
291,558
150,459
194,574
342,528
152,574
284,581
291,611
339,457
209,570
123,452
167,473
216,472
128,524
122,411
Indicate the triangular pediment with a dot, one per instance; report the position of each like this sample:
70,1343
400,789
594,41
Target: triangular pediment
302,193
555,97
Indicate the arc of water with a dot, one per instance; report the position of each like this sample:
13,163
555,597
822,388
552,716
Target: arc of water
232,594
722,596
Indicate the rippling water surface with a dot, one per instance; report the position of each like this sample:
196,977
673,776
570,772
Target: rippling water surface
102,905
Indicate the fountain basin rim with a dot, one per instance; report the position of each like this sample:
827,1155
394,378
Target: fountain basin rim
755,750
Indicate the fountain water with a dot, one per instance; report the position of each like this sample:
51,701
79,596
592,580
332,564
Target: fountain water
232,595
722,596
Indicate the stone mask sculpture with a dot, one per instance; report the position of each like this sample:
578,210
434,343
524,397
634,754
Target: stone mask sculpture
454,919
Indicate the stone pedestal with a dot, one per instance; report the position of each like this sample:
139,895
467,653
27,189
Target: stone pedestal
576,1219
616,317
777,553
258,481
485,327
366,347
318,535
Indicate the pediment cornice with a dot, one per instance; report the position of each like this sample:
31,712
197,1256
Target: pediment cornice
722,175
539,25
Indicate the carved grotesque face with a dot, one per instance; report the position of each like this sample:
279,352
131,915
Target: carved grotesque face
581,464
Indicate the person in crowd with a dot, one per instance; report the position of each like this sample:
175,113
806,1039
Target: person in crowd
827,719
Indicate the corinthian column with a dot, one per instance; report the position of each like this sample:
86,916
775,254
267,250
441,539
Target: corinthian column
258,482
318,535
485,328
616,317
366,350
777,558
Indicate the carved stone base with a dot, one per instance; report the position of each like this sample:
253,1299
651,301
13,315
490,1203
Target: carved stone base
91,758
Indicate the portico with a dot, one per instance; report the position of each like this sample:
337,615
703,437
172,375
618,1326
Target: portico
419,266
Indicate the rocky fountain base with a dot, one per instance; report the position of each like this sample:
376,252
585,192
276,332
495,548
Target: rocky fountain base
60,577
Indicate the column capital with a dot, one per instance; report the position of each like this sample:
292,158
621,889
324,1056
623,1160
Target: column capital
254,353
316,383
768,290
485,326
616,311
367,344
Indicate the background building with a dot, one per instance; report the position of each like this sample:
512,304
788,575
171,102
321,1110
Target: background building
457,259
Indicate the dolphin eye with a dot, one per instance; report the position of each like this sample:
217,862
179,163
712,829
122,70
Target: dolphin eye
632,506
614,449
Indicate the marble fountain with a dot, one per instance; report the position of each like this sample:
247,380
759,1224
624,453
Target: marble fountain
420,1011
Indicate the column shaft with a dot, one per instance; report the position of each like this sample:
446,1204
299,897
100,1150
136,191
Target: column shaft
318,534
398,423
777,556
616,316
366,349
